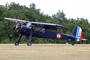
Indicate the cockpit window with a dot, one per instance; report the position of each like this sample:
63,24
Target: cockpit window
38,28
29,25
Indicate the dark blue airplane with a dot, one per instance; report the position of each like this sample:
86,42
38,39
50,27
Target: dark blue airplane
43,30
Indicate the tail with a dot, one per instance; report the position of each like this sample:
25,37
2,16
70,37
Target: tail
77,34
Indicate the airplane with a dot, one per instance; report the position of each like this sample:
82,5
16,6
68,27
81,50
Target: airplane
43,30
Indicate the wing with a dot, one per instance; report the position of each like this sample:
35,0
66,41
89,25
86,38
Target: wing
50,26
17,20
44,25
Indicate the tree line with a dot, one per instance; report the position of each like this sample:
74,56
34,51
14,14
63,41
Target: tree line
14,10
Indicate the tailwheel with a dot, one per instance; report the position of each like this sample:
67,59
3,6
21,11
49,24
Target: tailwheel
29,44
16,43
72,44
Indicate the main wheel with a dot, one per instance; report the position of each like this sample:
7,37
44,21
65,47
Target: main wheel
29,44
16,43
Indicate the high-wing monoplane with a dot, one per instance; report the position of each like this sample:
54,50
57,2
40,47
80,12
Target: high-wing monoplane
43,30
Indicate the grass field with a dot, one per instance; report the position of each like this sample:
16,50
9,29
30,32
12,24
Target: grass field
45,52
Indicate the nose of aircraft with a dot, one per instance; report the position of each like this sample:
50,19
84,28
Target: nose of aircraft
18,27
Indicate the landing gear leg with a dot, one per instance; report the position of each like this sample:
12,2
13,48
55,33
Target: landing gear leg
17,42
30,37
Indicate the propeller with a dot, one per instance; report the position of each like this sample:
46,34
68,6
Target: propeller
13,30
16,27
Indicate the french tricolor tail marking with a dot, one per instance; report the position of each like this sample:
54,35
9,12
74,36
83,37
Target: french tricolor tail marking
78,34
81,36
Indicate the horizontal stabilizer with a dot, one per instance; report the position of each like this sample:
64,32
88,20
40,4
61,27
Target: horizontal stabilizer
83,39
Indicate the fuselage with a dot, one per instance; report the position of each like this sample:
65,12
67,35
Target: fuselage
43,33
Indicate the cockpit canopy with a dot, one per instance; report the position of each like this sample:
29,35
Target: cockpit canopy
29,25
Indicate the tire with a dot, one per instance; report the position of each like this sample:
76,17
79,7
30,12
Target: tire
16,43
29,44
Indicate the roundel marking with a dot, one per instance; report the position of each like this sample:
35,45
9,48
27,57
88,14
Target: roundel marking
58,36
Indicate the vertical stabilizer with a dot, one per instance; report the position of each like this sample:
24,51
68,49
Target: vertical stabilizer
77,33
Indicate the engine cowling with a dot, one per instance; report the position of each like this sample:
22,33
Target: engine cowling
18,27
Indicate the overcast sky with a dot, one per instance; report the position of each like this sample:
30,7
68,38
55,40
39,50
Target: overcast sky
72,8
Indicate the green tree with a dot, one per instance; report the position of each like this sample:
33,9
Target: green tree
32,6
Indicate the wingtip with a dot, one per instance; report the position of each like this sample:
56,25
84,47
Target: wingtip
66,29
5,18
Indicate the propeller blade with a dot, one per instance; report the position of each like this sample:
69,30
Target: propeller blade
10,35
17,27
12,31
